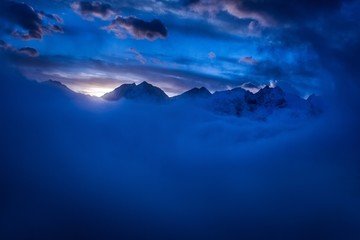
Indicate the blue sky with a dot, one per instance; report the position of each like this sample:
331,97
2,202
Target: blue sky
98,46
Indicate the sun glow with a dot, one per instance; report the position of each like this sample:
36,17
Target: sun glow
96,91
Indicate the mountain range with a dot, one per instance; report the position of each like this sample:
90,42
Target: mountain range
236,102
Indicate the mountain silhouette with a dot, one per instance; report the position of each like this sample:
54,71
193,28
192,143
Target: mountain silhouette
143,91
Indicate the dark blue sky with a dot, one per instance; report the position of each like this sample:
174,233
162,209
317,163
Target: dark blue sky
94,47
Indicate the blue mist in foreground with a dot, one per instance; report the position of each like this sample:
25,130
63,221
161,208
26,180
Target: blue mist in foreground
82,168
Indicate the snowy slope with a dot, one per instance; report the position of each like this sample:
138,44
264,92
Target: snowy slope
239,102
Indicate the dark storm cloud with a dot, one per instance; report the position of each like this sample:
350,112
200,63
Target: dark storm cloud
332,41
89,10
137,28
24,16
16,15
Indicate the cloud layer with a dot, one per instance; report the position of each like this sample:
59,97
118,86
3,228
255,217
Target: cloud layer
87,167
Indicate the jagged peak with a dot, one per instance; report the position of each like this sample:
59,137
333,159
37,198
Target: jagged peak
195,92
200,90
145,83
125,84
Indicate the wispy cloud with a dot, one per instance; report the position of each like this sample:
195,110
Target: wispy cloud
138,55
28,51
94,9
137,28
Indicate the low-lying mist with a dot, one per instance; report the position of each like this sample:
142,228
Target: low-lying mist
83,168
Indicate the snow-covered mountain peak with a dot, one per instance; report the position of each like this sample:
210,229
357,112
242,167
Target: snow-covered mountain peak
143,91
